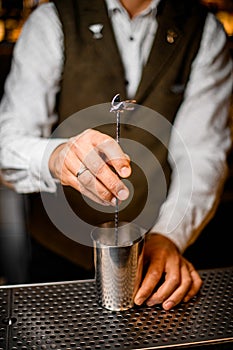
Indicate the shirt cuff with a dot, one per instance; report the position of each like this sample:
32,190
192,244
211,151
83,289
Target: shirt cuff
39,165
176,226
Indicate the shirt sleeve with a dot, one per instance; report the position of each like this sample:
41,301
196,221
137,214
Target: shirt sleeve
200,142
27,107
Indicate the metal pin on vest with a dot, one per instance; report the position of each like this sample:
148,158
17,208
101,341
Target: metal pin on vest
96,30
171,36
118,107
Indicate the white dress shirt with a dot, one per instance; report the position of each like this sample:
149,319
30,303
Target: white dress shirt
27,113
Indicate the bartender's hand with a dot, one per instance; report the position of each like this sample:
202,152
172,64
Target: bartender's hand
84,163
181,281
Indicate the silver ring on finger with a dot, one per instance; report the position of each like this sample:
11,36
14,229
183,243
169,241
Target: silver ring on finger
81,171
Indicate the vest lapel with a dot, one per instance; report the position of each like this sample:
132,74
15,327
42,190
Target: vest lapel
158,63
168,39
95,12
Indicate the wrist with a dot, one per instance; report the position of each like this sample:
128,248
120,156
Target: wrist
53,160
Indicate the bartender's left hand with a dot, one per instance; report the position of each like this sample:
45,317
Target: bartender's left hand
181,280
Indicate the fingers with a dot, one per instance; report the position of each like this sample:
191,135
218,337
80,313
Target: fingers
178,286
101,173
91,189
182,287
96,151
151,280
170,284
189,286
196,283
180,283
86,182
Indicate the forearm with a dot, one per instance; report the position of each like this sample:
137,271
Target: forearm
190,207
27,107
24,163
199,146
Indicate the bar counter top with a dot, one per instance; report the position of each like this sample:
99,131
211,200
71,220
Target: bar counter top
66,316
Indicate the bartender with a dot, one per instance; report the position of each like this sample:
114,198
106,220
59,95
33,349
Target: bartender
171,57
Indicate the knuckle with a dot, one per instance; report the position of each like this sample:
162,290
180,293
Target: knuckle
64,165
155,275
114,185
75,143
64,176
188,281
197,283
81,188
107,142
106,195
200,282
110,141
97,167
175,280
70,149
86,178
70,143
91,135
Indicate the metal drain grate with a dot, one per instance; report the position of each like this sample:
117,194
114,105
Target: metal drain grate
66,316
4,318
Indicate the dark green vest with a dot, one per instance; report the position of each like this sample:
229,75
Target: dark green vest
93,73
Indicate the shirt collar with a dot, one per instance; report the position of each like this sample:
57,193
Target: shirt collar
113,5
